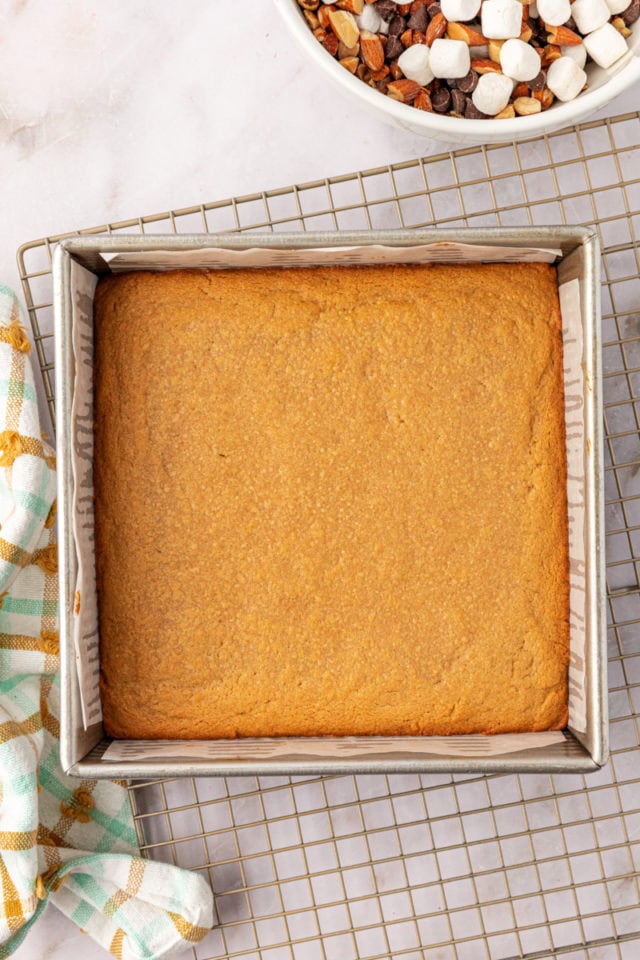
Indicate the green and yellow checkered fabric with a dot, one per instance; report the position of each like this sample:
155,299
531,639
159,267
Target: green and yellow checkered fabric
68,841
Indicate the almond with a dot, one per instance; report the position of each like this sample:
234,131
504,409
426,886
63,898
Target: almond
350,64
495,46
311,19
563,37
404,90
371,50
323,16
380,74
621,26
526,106
521,90
507,114
550,53
330,43
348,51
526,33
544,96
396,72
344,26
436,29
309,4
462,31
423,102
406,38
353,6
485,66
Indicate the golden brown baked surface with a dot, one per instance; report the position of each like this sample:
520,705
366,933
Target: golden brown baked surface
331,501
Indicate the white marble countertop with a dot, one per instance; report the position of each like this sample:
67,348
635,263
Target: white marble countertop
112,110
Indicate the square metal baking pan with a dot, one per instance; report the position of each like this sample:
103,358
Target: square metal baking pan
578,749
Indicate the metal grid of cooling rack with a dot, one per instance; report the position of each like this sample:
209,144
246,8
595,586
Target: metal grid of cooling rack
436,867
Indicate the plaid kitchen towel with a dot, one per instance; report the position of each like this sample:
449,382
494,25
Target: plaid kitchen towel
66,841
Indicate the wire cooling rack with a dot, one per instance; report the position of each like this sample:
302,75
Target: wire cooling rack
436,867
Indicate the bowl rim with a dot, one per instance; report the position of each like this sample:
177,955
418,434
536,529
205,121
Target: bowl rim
564,114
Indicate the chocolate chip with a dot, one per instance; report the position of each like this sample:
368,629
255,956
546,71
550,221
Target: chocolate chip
441,100
469,83
471,112
539,82
419,20
393,48
458,101
397,26
631,14
538,29
386,8
571,25
434,9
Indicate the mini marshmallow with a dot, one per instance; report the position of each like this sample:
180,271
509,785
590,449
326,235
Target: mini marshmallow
370,19
554,12
460,10
577,52
617,6
502,19
492,93
519,60
605,45
565,78
414,63
449,59
589,14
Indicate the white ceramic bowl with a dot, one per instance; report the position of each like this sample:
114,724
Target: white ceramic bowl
604,85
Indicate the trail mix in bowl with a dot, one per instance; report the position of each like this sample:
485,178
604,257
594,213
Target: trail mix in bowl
479,59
